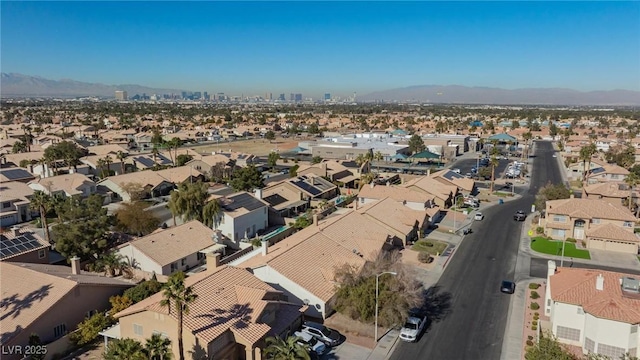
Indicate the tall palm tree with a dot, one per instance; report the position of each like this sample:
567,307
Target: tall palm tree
179,296
124,349
154,153
121,156
586,152
42,202
288,349
211,214
108,160
367,179
101,163
158,347
632,179
494,163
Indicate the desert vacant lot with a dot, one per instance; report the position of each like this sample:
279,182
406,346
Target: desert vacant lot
258,147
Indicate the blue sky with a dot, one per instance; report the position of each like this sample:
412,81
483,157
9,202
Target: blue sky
317,47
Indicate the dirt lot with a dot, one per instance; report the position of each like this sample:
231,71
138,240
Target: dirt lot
258,147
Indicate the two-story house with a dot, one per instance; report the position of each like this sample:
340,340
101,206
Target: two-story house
613,192
596,310
179,248
14,203
599,223
23,245
607,173
230,318
243,216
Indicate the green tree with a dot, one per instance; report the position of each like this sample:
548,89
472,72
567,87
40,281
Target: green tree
632,179
121,156
527,137
179,296
551,192
553,129
515,124
548,348
247,179
89,328
132,218
83,229
174,144
316,160
42,202
270,135
493,162
119,303
301,222
416,144
272,159
34,341
288,349
143,290
158,347
191,202
125,349
19,147
586,152
293,171
183,159
112,263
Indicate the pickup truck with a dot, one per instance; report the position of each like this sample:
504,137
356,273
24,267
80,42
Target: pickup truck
412,328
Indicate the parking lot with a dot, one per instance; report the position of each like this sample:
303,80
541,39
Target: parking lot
465,166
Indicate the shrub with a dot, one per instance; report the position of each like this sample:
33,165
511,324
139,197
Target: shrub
534,327
535,295
572,240
428,244
89,328
535,306
536,317
534,286
539,230
529,337
143,290
534,322
424,257
536,314
584,244
530,342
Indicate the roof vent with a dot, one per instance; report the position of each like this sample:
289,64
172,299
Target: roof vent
630,285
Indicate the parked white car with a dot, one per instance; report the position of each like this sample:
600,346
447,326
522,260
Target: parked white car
412,328
479,216
314,345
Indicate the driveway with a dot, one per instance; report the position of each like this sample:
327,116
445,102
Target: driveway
347,351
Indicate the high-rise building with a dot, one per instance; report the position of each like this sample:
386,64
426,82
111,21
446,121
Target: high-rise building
298,97
327,96
292,97
281,97
121,95
206,96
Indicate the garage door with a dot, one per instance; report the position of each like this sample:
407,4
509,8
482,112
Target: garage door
597,244
622,247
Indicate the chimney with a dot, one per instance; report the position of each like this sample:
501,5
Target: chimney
315,219
388,183
75,265
372,184
213,261
600,282
324,167
551,268
258,194
16,231
265,247
572,195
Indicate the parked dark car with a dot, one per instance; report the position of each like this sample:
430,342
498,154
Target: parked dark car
519,216
507,287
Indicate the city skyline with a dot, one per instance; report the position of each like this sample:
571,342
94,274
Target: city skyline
315,48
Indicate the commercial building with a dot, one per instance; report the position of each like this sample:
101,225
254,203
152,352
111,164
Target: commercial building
121,95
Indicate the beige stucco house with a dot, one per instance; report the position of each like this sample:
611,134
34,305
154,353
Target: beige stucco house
599,223
232,315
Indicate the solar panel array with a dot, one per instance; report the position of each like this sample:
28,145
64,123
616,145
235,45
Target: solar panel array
163,159
450,175
275,199
243,200
14,174
17,245
306,187
144,161
597,170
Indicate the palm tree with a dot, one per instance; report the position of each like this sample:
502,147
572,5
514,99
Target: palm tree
19,147
586,152
108,161
378,156
121,156
100,164
494,163
189,201
360,159
124,349
113,263
289,349
154,152
177,294
632,179
42,202
211,214
367,179
158,347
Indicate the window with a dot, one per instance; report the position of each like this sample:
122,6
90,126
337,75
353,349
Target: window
634,329
595,221
90,313
6,204
200,256
60,330
548,302
183,262
613,352
42,253
559,218
174,267
362,200
557,233
589,344
627,224
137,329
568,333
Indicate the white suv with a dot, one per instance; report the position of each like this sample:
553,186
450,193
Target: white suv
328,336
314,345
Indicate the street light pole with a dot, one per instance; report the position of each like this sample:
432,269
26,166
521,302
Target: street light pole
377,281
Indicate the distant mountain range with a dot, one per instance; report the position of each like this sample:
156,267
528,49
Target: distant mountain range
455,94
19,85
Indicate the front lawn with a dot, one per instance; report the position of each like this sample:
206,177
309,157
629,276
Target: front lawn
554,247
433,247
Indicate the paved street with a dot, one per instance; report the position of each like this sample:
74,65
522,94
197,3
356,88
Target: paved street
468,310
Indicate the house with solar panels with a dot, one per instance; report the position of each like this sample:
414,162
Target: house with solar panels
23,245
243,216
607,173
294,196
14,203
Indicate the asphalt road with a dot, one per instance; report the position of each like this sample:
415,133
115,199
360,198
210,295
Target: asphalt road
469,312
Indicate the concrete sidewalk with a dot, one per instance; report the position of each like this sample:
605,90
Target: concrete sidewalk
384,347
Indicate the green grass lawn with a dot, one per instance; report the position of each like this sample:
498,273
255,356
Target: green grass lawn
554,247
437,247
